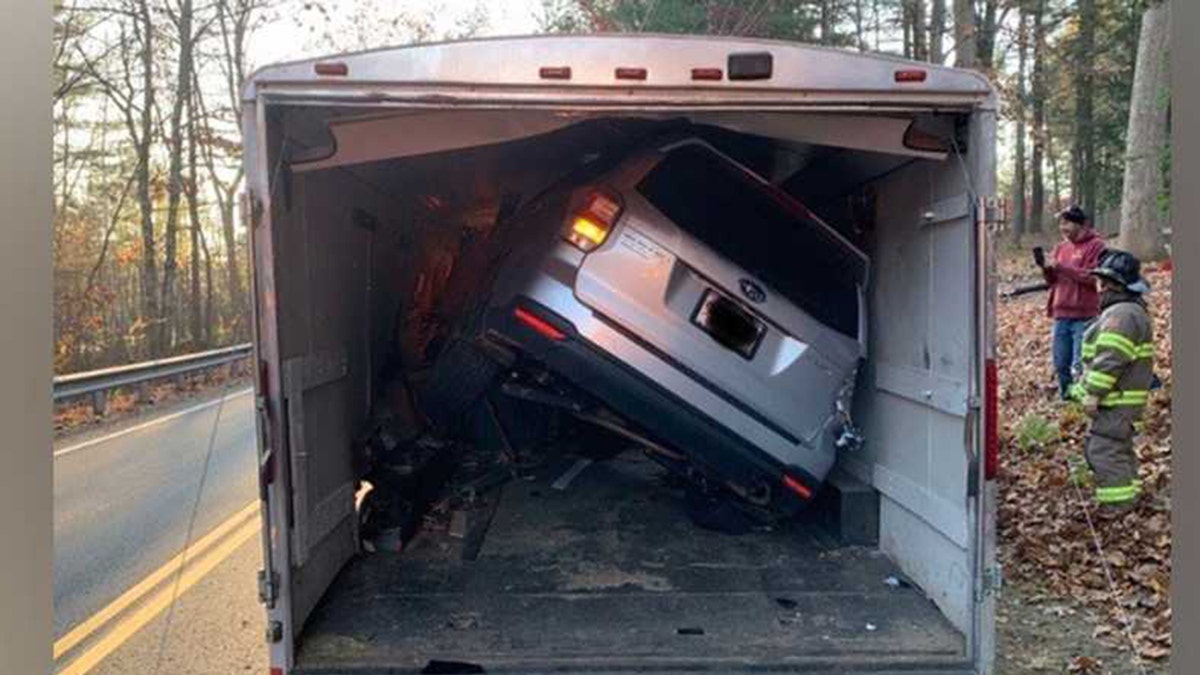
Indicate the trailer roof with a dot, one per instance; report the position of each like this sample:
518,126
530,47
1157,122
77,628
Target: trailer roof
650,65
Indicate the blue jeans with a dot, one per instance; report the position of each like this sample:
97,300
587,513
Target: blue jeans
1068,344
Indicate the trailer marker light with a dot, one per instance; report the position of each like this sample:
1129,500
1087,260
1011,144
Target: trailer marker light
910,75
332,68
710,74
991,420
631,73
555,72
538,324
796,486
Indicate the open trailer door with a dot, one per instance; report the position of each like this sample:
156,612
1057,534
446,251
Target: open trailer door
930,347
311,261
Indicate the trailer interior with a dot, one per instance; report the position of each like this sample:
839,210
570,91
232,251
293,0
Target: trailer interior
375,214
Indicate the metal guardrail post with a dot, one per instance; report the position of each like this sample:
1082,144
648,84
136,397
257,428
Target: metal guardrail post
99,402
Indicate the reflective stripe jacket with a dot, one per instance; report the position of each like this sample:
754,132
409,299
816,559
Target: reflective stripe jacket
1118,357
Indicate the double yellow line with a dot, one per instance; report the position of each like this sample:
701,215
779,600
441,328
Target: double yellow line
151,595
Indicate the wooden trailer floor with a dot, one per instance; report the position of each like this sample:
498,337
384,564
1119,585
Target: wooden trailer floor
610,574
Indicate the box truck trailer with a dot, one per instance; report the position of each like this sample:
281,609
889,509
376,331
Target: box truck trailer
375,184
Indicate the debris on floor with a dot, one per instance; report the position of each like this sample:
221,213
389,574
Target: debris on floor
564,480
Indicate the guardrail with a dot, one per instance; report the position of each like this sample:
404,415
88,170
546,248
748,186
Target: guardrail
97,383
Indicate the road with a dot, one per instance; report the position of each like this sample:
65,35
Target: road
125,499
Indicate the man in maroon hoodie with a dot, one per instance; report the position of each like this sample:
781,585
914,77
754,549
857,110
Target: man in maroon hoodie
1074,298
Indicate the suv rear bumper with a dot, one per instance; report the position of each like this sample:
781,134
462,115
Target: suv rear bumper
647,404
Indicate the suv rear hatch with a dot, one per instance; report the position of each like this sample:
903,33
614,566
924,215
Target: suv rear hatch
703,231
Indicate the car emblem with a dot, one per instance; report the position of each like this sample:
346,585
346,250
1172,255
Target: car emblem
752,291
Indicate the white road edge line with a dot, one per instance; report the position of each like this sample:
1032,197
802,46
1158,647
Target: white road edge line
145,425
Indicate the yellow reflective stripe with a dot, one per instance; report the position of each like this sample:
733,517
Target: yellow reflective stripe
1077,392
1117,342
1145,350
1122,493
1126,398
1099,380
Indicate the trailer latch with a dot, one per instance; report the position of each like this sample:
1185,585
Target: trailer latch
274,632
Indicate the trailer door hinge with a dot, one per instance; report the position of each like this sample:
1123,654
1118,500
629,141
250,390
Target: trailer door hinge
268,588
274,632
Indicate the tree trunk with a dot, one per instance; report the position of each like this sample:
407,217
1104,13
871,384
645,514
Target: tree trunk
906,23
208,291
1055,180
1018,200
175,170
149,272
966,51
1037,196
828,21
235,25
860,41
877,22
937,31
985,44
1141,233
1083,155
915,29
195,319
226,194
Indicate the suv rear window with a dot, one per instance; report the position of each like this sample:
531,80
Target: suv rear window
724,208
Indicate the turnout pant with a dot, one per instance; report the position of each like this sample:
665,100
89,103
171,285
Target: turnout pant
1109,453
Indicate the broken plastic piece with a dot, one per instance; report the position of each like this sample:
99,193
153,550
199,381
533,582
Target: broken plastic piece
576,469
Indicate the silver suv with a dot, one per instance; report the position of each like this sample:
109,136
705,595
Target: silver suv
706,308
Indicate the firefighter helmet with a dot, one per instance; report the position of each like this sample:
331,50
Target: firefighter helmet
1122,268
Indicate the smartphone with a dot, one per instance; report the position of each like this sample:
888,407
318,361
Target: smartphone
1039,256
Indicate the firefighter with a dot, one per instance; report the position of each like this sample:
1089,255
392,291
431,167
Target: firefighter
1117,375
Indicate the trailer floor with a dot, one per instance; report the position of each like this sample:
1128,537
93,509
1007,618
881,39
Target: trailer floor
611,574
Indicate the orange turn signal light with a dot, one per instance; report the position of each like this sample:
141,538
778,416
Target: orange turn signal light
590,225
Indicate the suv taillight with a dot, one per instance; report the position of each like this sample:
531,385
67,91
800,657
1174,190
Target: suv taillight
590,224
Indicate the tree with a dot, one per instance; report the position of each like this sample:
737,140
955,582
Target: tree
985,41
966,48
143,139
1037,194
183,86
1083,157
1019,108
937,31
1141,233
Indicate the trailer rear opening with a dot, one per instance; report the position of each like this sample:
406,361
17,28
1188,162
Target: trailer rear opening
368,195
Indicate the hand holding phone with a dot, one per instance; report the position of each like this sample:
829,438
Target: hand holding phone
1039,256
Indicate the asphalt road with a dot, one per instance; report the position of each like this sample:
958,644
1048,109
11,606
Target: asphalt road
124,498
